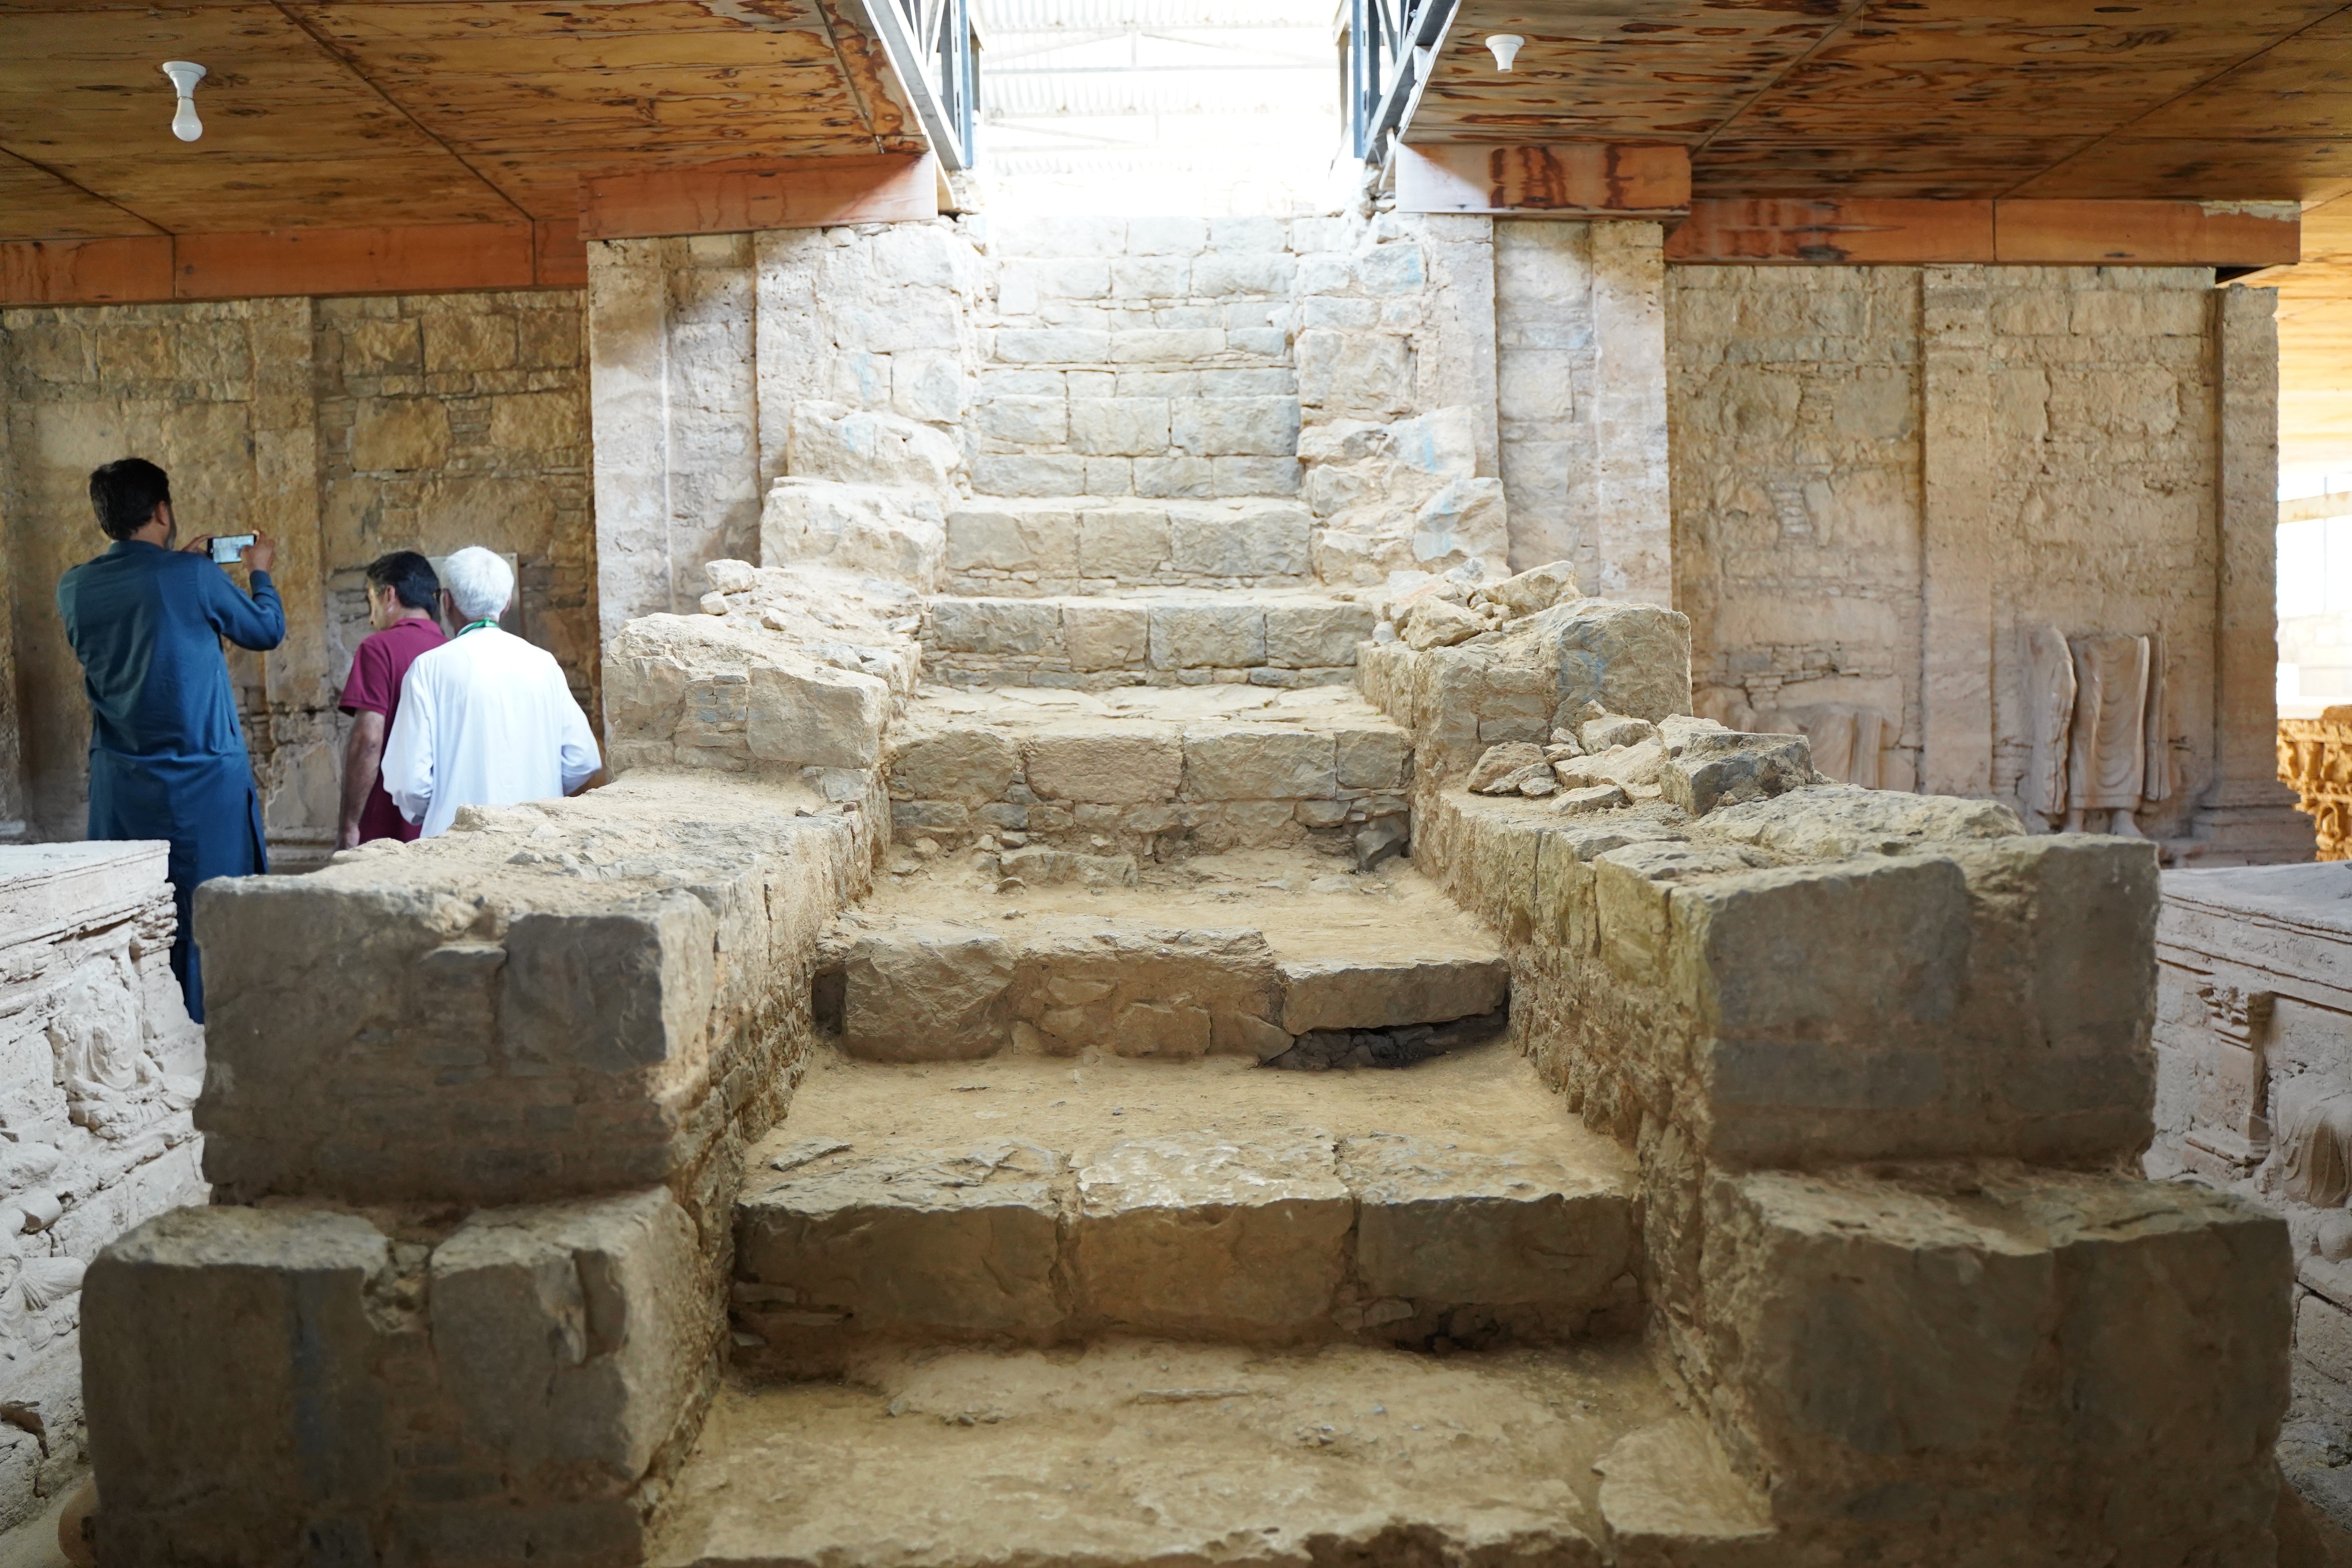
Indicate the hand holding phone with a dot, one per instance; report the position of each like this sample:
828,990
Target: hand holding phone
228,547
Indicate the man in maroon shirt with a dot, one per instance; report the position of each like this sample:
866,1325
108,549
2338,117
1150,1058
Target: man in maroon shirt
402,591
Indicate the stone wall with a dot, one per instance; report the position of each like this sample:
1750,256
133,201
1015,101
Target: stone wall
2253,1055
99,1065
343,428
705,353
1882,476
1879,1056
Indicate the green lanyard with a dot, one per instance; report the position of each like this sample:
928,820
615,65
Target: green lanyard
476,626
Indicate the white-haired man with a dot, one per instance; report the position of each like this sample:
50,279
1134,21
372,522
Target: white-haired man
486,719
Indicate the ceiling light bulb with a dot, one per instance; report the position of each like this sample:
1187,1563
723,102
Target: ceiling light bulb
184,75
1506,48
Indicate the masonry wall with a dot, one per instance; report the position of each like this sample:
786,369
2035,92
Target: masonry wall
344,428
99,1065
1880,476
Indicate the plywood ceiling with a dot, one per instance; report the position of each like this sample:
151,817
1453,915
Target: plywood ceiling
352,113
2229,99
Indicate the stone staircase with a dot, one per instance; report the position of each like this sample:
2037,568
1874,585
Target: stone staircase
1089,1285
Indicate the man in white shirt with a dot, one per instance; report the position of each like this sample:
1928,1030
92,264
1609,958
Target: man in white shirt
486,719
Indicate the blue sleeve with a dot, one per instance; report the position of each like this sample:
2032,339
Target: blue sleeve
257,622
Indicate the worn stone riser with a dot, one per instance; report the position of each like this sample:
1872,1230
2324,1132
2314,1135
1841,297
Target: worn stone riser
775,1341
1034,586
1163,831
981,670
1101,634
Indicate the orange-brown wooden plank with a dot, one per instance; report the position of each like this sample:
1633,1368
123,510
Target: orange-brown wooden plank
2147,233
560,256
422,259
800,192
1833,231
85,271
1568,178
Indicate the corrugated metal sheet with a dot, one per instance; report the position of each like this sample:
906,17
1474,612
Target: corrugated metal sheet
1001,17
1170,92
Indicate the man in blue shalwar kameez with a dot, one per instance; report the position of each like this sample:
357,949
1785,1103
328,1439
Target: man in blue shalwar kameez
166,754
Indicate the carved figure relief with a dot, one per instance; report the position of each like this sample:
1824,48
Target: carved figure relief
1849,741
2095,730
2231,1134
2316,759
2315,1142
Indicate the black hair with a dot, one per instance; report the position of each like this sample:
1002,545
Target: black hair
125,492
409,576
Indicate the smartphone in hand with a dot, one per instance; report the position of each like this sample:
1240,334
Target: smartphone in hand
227,547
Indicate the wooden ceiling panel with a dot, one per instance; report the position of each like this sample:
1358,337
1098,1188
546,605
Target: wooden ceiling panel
382,191
41,205
362,21
1627,71
1938,166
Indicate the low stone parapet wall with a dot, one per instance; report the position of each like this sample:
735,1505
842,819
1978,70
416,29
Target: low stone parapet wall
100,1067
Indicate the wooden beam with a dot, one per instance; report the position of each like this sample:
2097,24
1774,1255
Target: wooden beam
559,256
2018,233
784,193
1566,179
2148,234
85,271
1836,233
421,259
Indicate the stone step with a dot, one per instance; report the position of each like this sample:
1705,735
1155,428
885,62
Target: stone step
1152,1452
1271,955
1164,637
1026,546
1028,1200
1155,772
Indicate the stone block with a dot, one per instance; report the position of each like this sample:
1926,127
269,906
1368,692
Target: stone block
1006,538
1207,635
1173,477
812,715
610,992
1727,768
1020,420
1537,673
971,765
1106,634
996,626
395,433
1152,345
852,527
1238,477
1361,993
1441,1224
1369,758
1148,991
2102,1356
925,991
1129,427
1052,346
928,1243
468,341
1193,1235
1112,762
572,1336
230,1376
1244,762
1134,278
1011,474
1368,375
1316,634
1227,272
1256,543
833,441
540,422
1228,427
1166,236
1123,544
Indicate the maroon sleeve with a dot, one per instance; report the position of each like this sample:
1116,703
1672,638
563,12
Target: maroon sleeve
371,688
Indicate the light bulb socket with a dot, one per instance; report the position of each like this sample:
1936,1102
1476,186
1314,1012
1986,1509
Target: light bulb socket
1505,46
184,75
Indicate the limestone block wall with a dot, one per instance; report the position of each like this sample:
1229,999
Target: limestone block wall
344,428
706,351
1879,1058
99,1065
1883,476
2254,1054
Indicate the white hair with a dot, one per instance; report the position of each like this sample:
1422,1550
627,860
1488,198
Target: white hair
479,582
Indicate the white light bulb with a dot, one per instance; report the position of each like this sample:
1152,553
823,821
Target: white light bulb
1506,48
184,75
